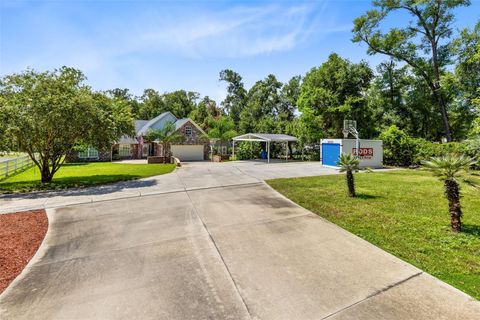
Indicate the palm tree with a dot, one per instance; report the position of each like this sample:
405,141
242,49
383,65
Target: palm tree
451,168
223,130
165,136
349,163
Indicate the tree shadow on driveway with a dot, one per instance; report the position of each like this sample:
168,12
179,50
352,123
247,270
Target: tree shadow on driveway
106,185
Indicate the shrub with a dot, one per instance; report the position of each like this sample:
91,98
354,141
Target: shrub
402,150
246,150
398,147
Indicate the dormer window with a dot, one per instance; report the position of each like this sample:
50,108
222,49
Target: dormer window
188,130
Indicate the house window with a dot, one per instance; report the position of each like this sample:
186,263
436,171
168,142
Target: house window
88,153
124,150
188,130
223,149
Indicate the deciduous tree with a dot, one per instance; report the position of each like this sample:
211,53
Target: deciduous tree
48,114
422,43
332,92
236,98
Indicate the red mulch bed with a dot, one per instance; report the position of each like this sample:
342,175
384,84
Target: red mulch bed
20,236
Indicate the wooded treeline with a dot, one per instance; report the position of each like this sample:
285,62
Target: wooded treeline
428,86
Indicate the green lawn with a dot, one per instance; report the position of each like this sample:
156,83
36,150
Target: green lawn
11,154
82,174
403,212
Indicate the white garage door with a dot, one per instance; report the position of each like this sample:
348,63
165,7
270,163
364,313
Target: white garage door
188,152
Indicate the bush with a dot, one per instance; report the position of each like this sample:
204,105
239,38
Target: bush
424,150
245,150
399,149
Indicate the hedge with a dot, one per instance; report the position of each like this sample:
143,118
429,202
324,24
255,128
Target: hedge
400,149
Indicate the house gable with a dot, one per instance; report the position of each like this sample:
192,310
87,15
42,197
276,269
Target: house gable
181,123
157,123
193,134
191,131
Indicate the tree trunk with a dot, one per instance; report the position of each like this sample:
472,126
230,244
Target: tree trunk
390,83
443,110
47,175
436,88
164,152
350,184
452,191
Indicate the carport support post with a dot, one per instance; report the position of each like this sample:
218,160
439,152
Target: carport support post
286,151
233,150
268,151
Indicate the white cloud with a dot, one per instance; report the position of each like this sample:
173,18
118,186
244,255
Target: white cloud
235,32
141,48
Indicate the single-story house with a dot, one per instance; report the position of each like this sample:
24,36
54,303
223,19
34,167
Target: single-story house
195,144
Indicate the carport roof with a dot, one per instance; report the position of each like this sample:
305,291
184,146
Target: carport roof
265,137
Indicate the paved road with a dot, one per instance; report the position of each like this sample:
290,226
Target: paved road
212,251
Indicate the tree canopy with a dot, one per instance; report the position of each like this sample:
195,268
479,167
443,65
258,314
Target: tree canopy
333,92
236,98
48,114
428,87
422,43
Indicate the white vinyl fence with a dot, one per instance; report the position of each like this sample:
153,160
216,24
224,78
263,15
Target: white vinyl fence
12,166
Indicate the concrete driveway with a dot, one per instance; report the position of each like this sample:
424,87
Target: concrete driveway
219,245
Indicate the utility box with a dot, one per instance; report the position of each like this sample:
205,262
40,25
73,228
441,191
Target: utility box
370,151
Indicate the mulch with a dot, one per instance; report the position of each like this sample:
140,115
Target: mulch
21,234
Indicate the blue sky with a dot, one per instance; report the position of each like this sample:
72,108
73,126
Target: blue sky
169,45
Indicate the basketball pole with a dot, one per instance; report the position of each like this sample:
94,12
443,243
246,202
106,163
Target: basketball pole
352,129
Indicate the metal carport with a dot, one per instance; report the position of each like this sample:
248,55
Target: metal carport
264,137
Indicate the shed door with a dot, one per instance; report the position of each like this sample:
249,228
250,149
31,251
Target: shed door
330,154
188,152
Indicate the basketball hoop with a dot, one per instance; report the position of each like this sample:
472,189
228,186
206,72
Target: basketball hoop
350,127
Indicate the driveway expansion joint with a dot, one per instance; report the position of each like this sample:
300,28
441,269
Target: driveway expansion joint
374,294
221,257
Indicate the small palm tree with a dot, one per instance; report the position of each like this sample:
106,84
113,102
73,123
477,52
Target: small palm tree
165,136
223,130
452,168
349,163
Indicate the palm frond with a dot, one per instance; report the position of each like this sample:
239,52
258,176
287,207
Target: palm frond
471,183
348,162
450,166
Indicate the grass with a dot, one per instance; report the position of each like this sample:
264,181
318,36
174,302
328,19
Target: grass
81,175
11,154
403,212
